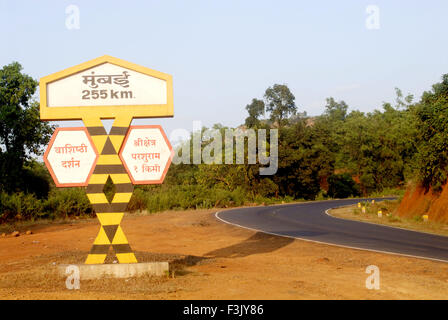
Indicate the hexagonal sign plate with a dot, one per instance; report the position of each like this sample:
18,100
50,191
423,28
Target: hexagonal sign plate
146,154
71,157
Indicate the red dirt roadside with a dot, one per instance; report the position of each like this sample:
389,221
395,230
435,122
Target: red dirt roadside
211,260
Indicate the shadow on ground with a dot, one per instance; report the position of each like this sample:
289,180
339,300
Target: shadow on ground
258,243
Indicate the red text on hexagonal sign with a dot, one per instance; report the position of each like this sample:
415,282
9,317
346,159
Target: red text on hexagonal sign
146,154
71,157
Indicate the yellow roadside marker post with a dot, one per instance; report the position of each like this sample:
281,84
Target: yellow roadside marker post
425,218
380,214
107,88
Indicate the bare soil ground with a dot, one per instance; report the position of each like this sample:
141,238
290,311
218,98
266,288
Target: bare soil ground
211,260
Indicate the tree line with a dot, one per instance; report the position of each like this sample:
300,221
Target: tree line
340,153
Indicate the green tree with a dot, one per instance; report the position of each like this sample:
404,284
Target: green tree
432,126
377,147
255,109
301,162
402,101
335,111
329,132
280,103
22,134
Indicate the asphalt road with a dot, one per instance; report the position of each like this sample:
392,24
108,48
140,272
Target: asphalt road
308,221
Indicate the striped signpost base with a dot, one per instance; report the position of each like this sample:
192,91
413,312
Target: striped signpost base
109,214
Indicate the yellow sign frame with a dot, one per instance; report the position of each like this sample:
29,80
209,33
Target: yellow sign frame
105,112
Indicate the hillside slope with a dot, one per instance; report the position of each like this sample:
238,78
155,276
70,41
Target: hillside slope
418,201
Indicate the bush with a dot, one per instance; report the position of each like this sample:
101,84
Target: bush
342,186
322,195
36,180
138,201
394,219
66,202
388,192
417,218
182,197
19,206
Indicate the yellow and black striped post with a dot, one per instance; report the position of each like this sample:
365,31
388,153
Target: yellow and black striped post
111,213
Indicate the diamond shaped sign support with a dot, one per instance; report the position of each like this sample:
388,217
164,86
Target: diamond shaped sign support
110,213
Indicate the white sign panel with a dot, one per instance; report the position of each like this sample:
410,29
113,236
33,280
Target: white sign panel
146,154
70,157
107,85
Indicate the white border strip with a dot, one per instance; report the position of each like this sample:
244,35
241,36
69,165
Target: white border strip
328,243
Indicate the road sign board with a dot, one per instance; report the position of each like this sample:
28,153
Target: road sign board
106,87
146,154
71,157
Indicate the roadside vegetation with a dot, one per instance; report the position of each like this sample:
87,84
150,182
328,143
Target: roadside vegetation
338,154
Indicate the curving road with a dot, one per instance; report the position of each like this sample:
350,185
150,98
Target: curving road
309,221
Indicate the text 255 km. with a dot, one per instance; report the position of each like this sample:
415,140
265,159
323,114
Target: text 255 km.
105,94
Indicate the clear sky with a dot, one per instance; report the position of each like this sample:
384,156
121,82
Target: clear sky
224,53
